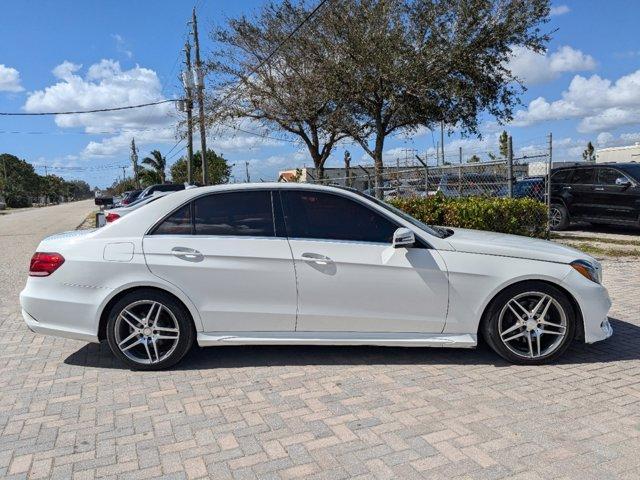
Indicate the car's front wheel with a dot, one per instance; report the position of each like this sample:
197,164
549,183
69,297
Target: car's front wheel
149,330
530,323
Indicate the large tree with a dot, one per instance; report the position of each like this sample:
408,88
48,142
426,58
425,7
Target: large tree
219,169
19,183
156,164
377,68
407,63
288,92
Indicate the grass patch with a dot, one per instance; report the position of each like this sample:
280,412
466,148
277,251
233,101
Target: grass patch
88,222
607,252
613,241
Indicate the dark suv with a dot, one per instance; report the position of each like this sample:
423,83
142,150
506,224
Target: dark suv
606,193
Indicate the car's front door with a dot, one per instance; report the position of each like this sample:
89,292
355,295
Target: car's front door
614,196
223,251
350,278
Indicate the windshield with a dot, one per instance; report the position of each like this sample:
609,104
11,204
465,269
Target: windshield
633,170
431,230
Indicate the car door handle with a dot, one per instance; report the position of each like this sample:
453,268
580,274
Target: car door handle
599,189
316,258
185,253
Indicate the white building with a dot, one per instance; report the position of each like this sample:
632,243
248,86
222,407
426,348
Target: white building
630,153
538,169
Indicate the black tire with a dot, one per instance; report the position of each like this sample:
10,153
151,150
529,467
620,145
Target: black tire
518,348
559,217
155,343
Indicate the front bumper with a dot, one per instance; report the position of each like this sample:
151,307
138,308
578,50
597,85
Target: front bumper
594,302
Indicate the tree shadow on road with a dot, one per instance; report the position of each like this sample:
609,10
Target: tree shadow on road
624,345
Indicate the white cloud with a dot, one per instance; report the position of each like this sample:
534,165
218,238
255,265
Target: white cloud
559,10
9,79
535,68
65,70
606,139
599,103
121,45
107,85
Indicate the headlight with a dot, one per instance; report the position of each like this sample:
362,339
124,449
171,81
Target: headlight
587,270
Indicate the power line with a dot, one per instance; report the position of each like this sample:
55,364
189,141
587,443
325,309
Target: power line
98,110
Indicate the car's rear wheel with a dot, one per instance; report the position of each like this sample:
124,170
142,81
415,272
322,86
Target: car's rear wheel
530,323
149,330
558,217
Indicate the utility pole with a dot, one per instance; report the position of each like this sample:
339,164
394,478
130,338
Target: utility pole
200,93
124,173
187,81
246,168
510,166
442,140
549,167
347,168
459,171
134,161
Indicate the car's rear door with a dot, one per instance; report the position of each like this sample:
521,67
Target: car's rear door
223,251
350,278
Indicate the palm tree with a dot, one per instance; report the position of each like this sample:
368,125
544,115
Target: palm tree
158,163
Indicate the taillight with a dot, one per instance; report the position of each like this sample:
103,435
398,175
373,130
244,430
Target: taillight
44,264
111,217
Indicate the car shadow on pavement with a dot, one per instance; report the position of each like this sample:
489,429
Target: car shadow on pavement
624,345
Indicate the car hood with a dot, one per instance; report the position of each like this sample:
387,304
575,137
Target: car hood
500,244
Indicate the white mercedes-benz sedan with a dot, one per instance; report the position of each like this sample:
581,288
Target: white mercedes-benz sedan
267,264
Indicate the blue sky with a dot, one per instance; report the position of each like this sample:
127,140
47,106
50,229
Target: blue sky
63,55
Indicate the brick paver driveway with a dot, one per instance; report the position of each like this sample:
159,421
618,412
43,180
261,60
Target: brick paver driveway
68,410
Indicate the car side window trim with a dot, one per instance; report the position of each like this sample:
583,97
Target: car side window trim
191,203
421,243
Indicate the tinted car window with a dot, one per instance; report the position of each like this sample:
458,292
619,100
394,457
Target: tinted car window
608,176
178,223
235,213
333,217
583,175
561,176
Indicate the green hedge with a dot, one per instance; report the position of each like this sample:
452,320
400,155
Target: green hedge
518,216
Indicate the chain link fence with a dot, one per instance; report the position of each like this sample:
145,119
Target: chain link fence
522,176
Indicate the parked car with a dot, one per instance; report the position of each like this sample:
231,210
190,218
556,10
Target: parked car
287,263
531,187
161,187
596,193
115,213
129,197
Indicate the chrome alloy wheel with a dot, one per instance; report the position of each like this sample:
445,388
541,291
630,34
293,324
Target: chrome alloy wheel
146,332
532,325
555,217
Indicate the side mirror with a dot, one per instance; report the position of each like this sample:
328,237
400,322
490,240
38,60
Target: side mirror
623,182
403,238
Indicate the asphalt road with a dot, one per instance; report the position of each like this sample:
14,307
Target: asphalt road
20,234
69,410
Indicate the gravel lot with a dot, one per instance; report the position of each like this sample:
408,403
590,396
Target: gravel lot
68,410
